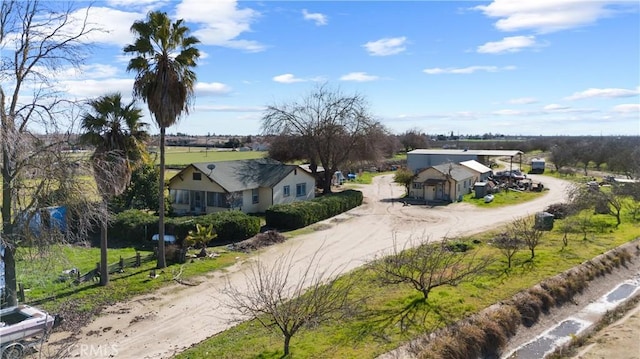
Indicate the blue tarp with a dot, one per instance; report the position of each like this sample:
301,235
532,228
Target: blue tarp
50,218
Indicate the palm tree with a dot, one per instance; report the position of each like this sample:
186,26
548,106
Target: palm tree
163,62
118,136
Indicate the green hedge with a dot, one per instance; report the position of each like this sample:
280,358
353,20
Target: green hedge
301,214
230,226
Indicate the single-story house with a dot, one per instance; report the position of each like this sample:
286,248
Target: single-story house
443,182
481,172
251,186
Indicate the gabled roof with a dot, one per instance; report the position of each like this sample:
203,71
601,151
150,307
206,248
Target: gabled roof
476,166
243,174
456,171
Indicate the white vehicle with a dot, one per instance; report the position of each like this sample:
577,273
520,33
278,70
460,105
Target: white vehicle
23,327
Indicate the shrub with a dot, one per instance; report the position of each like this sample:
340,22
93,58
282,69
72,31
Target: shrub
231,226
301,214
559,210
134,224
458,246
529,307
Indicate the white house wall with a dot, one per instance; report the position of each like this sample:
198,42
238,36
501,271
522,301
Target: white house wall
292,179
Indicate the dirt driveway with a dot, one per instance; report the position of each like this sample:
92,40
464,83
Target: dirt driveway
163,323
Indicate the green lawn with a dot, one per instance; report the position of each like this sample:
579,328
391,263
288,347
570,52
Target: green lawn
39,271
503,198
180,156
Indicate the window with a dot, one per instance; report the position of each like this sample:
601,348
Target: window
286,191
197,176
301,189
417,185
180,196
217,199
255,196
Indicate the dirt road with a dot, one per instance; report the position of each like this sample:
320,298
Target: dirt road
163,323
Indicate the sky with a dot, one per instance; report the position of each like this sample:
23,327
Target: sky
516,67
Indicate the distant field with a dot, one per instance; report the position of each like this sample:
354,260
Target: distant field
187,155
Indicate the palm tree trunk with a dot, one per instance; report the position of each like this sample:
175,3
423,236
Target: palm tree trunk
104,265
161,259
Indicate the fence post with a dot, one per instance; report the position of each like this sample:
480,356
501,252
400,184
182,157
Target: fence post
138,259
21,292
121,264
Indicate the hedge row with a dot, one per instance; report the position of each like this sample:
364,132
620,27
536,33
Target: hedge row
230,226
301,214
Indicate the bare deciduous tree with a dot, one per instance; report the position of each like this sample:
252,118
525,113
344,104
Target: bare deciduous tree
425,265
280,298
508,245
604,201
526,229
332,125
35,122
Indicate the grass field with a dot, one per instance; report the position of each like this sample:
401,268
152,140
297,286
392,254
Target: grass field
180,156
39,271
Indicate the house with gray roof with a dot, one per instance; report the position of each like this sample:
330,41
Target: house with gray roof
444,182
251,186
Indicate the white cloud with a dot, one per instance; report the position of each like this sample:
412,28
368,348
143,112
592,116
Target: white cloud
555,107
386,46
222,23
287,79
507,44
545,16
523,101
318,18
94,88
627,108
114,25
212,88
358,77
507,112
143,5
466,70
603,93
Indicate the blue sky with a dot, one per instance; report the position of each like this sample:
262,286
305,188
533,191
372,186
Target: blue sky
520,67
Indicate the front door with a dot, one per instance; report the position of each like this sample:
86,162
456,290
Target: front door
197,202
439,191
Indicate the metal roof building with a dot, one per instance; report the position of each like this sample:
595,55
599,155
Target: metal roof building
424,158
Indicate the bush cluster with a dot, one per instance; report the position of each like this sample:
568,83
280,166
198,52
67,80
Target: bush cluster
301,214
230,226
559,210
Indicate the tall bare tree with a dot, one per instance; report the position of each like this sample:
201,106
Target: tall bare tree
288,299
331,124
165,55
36,42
